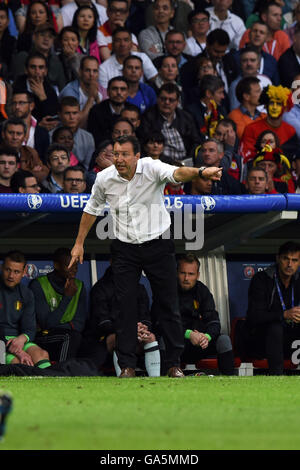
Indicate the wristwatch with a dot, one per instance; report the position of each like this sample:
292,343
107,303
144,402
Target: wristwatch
201,169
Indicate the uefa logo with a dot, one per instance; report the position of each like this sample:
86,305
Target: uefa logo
34,201
249,272
208,203
31,271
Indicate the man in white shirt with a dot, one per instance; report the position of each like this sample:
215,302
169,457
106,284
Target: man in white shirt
199,24
134,190
122,48
221,17
67,11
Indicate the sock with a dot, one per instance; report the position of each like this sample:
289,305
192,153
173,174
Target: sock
2,352
43,364
226,363
152,359
116,364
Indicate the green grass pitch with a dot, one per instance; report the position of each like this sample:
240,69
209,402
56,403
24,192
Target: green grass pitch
194,413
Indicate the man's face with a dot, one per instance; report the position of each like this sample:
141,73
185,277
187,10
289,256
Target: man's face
8,166
122,44
70,116
219,95
223,132
269,167
275,108
162,11
43,41
216,51
74,182
273,17
117,13
125,160
288,263
258,34
31,186
222,4
202,186
200,24
65,137
175,44
21,107
132,116
121,128
14,135
133,70
12,273
4,21
256,182
118,92
249,64
58,162
187,275
167,103
296,166
36,69
254,95
210,154
90,72
62,270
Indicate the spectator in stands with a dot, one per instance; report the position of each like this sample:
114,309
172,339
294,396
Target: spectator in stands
177,126
222,17
8,166
122,47
102,158
250,65
288,63
85,22
117,12
278,41
54,6
201,322
153,145
199,186
17,317
152,39
296,172
103,115
74,180
23,181
13,135
204,66
35,80
294,20
277,100
199,26
42,42
84,144
247,92
63,135
60,308
179,20
175,45
292,116
68,42
139,93
7,42
68,10
58,159
86,89
37,137
232,161
133,114
256,181
273,315
122,126
167,72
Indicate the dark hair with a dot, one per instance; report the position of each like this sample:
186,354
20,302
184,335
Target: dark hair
122,119
227,122
18,179
35,55
169,88
9,151
55,147
14,121
87,57
297,29
4,7
16,256
120,29
92,34
211,83
61,253
30,96
250,48
256,168
261,136
29,26
68,29
218,35
244,86
132,57
289,247
57,131
131,107
171,32
119,78
266,5
74,168
196,12
102,145
132,139
160,60
68,101
155,136
113,1
188,258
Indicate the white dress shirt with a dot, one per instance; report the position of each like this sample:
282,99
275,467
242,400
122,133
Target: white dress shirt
136,206
233,25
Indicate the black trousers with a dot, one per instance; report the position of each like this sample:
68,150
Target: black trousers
157,259
59,343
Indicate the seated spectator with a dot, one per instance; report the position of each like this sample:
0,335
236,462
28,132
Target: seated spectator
152,39
179,20
60,308
293,21
68,10
278,41
117,13
199,26
58,159
222,17
23,181
199,186
13,135
250,64
35,80
296,172
54,6
103,115
167,73
272,320
86,89
122,126
17,318
212,152
85,22
139,93
8,166
175,45
201,322
133,114
288,63
204,66
7,42
69,115
177,126
68,43
277,100
74,180
247,92
256,181
153,145
37,137
292,116
63,135
100,335
122,48
232,161
102,158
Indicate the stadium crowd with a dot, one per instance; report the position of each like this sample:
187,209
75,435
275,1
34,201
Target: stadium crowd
199,83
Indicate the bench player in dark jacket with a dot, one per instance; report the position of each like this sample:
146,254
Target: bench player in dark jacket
200,319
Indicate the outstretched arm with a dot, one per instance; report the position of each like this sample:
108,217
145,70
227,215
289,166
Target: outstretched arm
86,223
186,173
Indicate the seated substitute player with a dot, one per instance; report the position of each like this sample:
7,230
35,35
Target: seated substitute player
17,320
201,323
